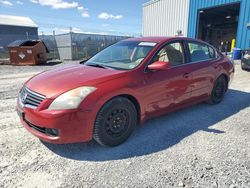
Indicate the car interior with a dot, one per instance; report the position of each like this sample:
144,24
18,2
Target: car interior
197,55
172,53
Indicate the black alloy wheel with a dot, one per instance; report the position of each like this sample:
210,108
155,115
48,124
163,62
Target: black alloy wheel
115,122
218,91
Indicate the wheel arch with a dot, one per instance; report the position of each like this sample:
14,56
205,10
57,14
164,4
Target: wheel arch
135,101
226,78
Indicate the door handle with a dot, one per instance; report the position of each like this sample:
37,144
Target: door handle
186,75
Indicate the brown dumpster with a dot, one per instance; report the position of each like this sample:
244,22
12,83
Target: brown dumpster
27,52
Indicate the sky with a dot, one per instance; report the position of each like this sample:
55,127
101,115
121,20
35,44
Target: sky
116,17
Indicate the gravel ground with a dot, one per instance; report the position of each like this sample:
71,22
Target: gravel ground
201,146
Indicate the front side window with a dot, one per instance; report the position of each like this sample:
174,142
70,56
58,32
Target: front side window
198,52
172,53
124,55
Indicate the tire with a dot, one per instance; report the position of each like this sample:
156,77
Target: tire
115,122
219,90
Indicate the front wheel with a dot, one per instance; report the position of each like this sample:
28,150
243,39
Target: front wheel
115,122
219,90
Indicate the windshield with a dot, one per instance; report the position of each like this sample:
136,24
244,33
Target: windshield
124,55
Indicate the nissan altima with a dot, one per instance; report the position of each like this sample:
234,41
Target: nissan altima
122,86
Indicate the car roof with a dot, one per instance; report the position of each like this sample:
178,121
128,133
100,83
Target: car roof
156,39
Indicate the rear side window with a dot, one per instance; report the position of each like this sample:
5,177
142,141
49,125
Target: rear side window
199,52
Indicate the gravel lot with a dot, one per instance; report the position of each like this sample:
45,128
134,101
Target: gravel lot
201,146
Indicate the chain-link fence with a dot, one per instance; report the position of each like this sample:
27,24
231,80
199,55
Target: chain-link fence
50,42
87,45
76,46
69,46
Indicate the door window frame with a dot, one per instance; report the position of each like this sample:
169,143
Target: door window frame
200,43
184,48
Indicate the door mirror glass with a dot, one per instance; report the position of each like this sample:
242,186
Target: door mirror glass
159,65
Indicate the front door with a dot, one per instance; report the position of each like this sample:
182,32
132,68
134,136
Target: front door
170,88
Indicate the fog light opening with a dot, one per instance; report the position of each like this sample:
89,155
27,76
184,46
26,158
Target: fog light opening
51,132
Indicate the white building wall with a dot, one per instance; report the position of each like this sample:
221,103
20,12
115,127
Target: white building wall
165,17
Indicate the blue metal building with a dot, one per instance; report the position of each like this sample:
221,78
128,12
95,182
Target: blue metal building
243,31
219,22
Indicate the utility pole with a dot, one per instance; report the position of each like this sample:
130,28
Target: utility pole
27,35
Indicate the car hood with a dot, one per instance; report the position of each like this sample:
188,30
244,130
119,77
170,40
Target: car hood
55,82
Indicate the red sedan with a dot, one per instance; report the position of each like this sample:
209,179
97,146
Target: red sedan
122,86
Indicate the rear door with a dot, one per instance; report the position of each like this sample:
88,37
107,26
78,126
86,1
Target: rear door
202,60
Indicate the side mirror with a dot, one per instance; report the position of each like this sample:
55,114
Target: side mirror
159,65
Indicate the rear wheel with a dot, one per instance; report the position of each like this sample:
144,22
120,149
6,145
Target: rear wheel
218,91
115,122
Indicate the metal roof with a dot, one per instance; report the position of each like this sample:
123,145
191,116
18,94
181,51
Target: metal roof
16,21
150,2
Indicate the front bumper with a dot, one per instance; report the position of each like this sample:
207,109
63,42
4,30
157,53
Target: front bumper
69,126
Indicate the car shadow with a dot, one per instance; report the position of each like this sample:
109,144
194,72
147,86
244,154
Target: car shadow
160,133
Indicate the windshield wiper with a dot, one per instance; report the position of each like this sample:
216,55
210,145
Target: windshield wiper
97,65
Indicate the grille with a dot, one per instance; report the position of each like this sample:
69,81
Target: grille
30,98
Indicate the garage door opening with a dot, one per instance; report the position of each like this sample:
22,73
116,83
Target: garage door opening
218,25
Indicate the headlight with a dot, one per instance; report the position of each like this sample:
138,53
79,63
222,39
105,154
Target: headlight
71,99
